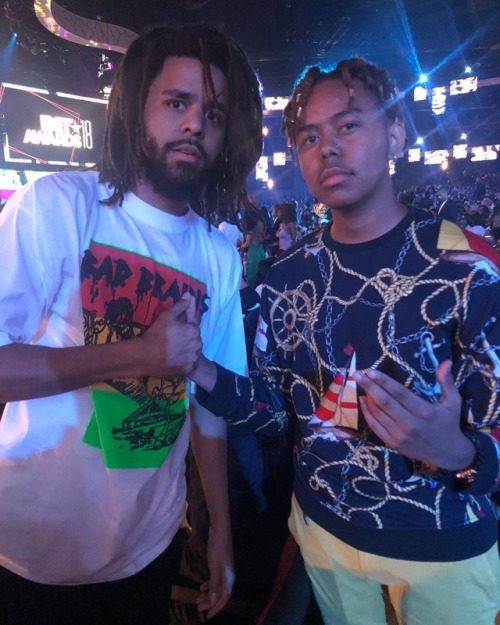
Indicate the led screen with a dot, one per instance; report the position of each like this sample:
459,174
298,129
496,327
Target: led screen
46,129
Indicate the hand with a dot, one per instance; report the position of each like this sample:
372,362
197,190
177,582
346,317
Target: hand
216,592
413,426
172,344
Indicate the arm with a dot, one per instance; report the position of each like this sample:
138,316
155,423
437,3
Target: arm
257,402
170,347
41,236
208,441
245,242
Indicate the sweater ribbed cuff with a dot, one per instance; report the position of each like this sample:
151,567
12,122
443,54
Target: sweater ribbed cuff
487,468
221,401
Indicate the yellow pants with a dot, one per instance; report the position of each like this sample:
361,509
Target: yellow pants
348,583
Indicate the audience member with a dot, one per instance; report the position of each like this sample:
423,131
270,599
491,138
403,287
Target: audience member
448,209
252,248
287,231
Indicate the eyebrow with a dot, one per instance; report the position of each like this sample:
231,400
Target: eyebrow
177,93
332,118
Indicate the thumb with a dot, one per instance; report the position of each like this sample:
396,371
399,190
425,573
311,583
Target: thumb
191,309
445,380
178,309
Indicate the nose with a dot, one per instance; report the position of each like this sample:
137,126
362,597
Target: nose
193,122
331,149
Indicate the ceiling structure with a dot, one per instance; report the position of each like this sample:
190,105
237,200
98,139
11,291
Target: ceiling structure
280,36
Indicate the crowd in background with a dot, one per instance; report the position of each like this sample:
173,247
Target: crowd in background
265,230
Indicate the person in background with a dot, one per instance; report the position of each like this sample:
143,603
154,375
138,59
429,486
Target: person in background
448,208
477,224
230,225
287,231
383,355
113,275
252,248
495,223
272,238
232,232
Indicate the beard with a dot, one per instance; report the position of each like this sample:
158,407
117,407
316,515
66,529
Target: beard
179,181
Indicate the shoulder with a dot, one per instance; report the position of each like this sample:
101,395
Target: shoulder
56,189
55,197
215,239
85,181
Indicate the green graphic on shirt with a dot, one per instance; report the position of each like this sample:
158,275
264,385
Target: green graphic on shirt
136,420
134,434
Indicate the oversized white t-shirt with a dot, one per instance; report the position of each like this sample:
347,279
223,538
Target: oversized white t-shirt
92,484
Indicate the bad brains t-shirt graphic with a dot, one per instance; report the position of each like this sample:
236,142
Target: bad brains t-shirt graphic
135,421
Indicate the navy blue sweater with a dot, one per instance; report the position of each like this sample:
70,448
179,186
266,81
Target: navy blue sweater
400,304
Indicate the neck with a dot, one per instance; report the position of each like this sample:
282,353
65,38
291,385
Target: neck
145,192
355,226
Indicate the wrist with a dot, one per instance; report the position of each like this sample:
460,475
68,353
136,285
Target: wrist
460,454
204,374
463,478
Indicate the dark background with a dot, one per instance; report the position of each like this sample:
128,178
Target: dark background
438,37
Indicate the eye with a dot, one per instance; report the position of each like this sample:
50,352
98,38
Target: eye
216,116
308,140
177,105
349,127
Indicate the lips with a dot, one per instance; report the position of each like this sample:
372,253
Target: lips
332,176
189,150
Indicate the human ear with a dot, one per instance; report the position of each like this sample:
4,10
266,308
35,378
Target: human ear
397,139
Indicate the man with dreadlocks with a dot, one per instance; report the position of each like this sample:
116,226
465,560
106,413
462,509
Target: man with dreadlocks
108,273
383,350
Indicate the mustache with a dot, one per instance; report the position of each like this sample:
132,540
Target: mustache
173,145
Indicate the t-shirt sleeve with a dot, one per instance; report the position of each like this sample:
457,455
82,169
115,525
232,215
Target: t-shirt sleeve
39,247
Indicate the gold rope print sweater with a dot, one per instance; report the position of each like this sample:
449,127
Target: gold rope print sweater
422,293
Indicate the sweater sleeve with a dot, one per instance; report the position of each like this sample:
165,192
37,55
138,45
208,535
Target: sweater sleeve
256,402
478,373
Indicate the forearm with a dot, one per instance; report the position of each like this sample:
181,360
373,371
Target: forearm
30,371
254,403
208,441
205,374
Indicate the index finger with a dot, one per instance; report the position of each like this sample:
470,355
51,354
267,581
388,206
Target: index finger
384,390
